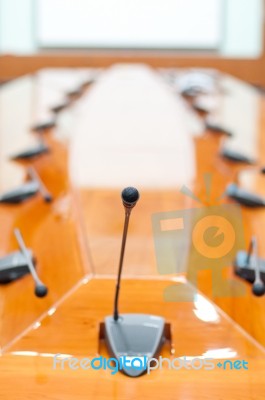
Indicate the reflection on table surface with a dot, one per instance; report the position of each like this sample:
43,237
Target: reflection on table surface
198,329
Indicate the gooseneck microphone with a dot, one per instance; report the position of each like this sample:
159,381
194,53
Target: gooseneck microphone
132,334
129,196
258,287
46,195
40,289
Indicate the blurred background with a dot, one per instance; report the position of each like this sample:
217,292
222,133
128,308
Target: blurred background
223,34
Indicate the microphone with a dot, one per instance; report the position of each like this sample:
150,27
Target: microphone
42,127
214,127
129,196
133,335
59,107
33,152
244,197
236,156
258,288
42,188
40,289
20,194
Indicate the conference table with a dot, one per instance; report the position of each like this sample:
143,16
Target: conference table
130,125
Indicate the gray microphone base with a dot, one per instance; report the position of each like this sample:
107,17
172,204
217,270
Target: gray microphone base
134,336
244,267
14,266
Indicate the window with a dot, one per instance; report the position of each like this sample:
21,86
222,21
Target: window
177,24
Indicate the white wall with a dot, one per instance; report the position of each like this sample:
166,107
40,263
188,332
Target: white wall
16,26
242,26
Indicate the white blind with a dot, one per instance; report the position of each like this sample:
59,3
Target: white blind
183,24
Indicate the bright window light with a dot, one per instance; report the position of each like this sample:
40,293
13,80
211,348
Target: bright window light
181,24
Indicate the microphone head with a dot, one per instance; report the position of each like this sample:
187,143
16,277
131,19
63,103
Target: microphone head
258,288
41,290
48,198
130,196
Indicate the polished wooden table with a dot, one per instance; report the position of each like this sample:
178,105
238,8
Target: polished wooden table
129,127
